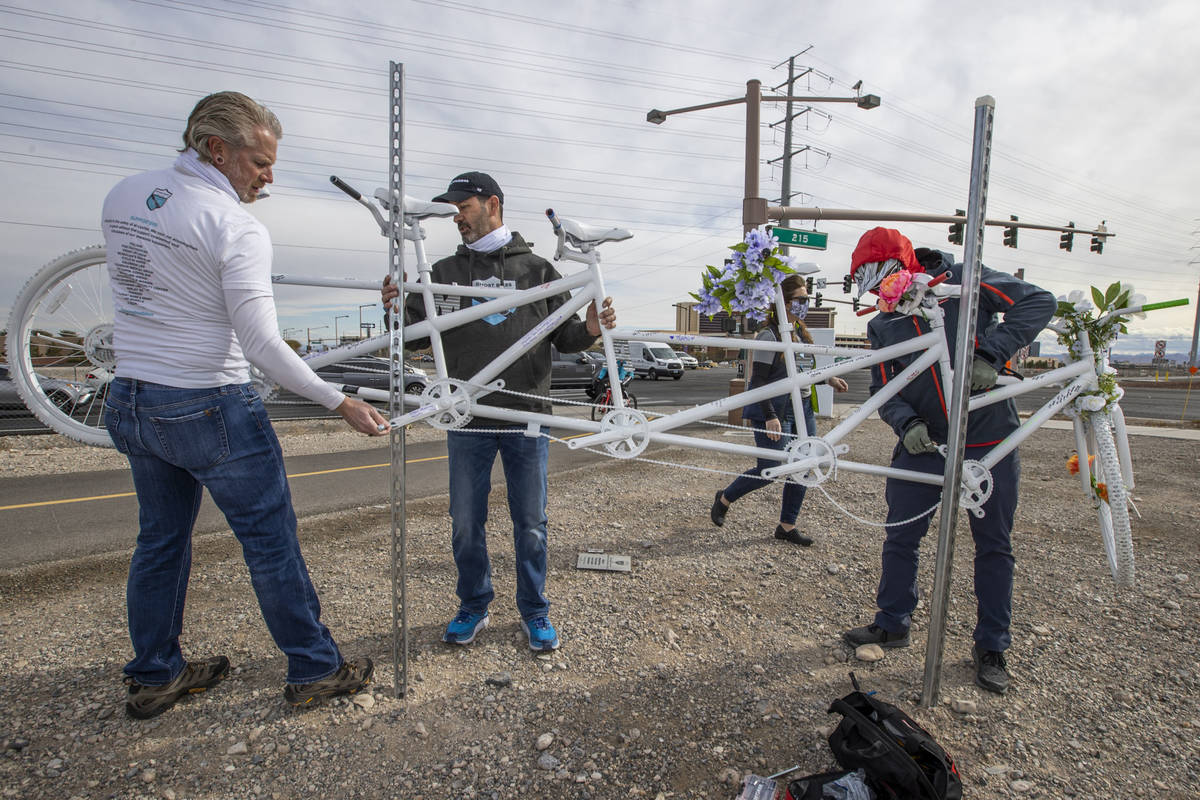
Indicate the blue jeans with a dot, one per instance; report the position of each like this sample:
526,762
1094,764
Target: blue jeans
748,481
994,563
471,458
178,442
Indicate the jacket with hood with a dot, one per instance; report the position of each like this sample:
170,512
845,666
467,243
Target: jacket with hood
471,347
1011,315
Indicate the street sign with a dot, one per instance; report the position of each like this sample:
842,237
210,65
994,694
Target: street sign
1160,348
821,283
813,240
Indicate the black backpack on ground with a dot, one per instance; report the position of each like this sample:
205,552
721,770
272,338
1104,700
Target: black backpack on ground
900,758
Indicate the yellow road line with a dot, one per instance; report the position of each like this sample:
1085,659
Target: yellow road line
132,494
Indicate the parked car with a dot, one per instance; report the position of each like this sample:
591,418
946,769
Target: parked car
571,370
98,378
64,393
371,372
688,361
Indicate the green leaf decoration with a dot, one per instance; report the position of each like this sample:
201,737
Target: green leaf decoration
1111,294
1097,298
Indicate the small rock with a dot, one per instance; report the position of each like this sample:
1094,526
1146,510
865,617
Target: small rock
825,731
367,723
672,639
105,712
547,762
364,700
499,679
54,763
869,652
730,776
1020,787
544,741
1041,630
169,794
257,732
419,730
237,749
149,776
964,706
833,569
758,669
996,769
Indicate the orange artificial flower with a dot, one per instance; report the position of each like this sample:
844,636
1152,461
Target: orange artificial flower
1073,463
1102,490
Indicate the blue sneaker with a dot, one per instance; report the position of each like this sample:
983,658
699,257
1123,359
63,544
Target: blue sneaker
464,626
541,633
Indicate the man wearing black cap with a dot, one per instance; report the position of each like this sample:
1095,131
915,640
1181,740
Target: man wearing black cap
493,256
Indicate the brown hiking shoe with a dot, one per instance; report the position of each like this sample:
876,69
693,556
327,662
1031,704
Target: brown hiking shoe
350,677
144,702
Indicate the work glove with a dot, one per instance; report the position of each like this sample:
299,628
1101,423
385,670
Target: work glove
983,375
916,439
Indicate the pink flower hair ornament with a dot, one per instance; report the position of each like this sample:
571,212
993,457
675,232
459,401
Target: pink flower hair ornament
892,288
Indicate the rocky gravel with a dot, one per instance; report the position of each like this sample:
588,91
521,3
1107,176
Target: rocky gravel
717,655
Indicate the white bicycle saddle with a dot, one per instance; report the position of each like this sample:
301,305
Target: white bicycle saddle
421,209
580,234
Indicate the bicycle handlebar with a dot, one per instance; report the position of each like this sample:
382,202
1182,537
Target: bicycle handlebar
345,187
1144,307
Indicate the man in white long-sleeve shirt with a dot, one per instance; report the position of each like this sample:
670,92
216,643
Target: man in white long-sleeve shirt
190,275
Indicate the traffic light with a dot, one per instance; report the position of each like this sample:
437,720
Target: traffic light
1067,240
956,228
855,303
1010,234
846,281
808,284
1097,239
818,299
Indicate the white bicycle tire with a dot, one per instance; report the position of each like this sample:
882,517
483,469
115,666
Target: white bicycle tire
69,293
1114,514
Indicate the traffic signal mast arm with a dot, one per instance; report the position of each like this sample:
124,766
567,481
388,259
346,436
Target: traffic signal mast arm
784,213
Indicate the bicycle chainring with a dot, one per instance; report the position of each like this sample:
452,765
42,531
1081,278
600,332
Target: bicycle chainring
627,420
452,400
808,448
976,486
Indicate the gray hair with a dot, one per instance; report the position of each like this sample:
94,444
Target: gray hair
232,117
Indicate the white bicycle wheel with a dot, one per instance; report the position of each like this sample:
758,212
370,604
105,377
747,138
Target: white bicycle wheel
1114,514
60,344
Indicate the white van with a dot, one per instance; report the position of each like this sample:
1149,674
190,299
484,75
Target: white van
649,359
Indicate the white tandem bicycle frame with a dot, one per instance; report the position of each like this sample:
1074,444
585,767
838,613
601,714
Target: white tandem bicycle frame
625,432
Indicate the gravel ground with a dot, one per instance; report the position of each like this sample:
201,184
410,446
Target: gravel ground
716,656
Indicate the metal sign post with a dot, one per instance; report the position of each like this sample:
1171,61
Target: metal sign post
396,380
964,348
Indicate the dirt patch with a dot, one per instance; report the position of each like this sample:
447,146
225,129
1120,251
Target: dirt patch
717,655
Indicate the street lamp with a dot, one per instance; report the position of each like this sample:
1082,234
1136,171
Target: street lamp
308,346
754,208
360,322
336,340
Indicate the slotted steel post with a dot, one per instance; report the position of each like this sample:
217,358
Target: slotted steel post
964,349
396,381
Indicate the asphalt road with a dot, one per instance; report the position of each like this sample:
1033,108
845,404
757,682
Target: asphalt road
49,517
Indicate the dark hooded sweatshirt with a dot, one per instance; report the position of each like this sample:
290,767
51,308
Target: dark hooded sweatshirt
469,348
1011,315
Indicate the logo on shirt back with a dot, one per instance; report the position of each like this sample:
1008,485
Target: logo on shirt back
157,199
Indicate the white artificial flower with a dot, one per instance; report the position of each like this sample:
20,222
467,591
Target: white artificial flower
1091,402
1138,300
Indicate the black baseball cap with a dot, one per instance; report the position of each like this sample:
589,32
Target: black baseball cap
478,184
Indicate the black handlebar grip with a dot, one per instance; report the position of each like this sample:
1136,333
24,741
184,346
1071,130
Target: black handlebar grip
345,187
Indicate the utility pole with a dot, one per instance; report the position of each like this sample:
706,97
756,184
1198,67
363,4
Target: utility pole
786,161
1196,324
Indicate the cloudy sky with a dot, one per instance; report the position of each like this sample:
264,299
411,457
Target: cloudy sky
1096,119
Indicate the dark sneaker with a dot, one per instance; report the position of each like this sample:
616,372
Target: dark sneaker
873,634
717,512
145,702
991,672
464,626
541,633
350,677
794,536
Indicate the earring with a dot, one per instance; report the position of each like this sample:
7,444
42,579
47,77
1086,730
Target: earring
218,161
